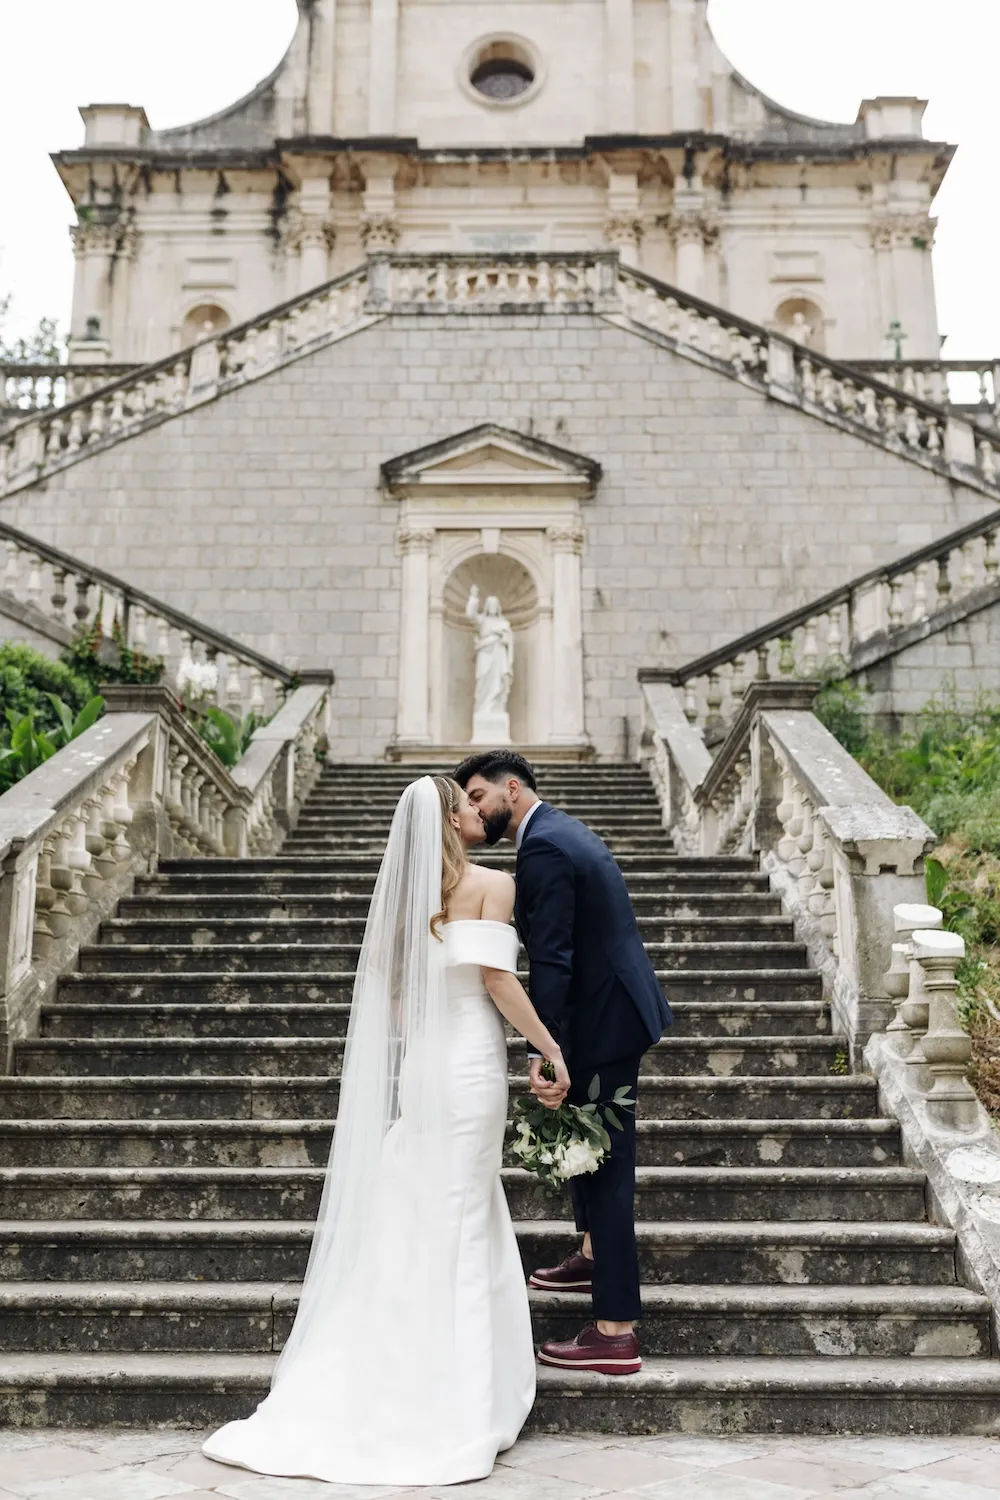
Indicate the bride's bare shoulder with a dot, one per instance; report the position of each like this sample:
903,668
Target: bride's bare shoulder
482,893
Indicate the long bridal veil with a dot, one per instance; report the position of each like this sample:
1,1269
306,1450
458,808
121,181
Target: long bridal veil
380,1278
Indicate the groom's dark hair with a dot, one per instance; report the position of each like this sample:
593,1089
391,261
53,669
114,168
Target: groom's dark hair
495,765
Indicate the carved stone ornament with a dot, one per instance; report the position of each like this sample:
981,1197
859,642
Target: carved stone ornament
566,538
623,230
94,239
379,232
300,231
904,232
692,229
415,538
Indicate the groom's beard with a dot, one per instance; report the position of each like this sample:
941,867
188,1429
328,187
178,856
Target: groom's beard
496,824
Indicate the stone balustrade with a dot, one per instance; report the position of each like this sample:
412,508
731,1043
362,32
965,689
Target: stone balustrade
27,388
839,852
969,386
593,282
58,594
838,632
140,785
484,284
921,1061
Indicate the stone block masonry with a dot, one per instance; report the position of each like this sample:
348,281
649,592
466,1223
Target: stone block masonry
719,509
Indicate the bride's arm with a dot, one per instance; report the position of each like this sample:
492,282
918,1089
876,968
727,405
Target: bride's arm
508,993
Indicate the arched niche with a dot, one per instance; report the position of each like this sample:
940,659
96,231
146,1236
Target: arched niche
802,320
510,581
204,322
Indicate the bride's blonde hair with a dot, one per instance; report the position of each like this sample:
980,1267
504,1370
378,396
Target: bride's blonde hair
453,858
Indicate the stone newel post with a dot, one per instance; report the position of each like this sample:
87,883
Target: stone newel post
951,1101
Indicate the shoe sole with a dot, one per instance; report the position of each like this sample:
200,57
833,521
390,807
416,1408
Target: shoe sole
560,1286
598,1367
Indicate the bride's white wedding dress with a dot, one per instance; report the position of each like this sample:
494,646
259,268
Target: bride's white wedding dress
411,1360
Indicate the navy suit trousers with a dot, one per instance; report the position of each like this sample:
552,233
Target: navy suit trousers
604,1201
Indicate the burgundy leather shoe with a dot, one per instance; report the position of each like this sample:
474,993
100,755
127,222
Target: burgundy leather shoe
573,1274
608,1354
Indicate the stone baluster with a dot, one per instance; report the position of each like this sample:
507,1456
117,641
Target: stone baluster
810,648
233,687
12,569
58,599
763,662
988,460
821,900
943,579
713,703
257,692
951,1102
934,443
919,593
33,592
911,427
895,610
890,418
834,636
807,372
54,440
907,918
690,702
45,899
81,606
869,409
967,572
786,656
991,562
737,683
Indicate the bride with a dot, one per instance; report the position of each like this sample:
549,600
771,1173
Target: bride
411,1360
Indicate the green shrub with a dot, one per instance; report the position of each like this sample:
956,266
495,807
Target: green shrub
26,747
27,678
87,657
228,737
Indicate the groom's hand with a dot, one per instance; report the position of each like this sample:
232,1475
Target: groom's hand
550,1094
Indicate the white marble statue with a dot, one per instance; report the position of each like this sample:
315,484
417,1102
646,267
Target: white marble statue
494,670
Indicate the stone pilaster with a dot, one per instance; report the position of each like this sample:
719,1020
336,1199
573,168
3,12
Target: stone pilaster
568,726
413,719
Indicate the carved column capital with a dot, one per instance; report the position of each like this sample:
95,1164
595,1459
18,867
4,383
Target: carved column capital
415,538
379,232
92,239
903,232
692,229
623,231
569,537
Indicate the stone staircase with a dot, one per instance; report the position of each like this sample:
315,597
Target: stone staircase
162,1147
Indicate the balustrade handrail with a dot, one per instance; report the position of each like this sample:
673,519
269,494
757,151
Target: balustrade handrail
498,257
59,369
969,366
785,624
206,634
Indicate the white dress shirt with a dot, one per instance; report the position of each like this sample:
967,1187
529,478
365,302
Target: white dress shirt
523,825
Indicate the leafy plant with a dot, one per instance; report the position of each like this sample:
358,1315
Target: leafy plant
29,747
88,655
228,737
29,680
840,705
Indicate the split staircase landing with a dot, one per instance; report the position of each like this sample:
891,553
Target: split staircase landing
162,1146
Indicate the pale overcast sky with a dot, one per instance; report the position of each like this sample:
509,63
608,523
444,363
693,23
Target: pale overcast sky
182,59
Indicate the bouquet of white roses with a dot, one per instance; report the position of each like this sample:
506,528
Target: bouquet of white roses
557,1144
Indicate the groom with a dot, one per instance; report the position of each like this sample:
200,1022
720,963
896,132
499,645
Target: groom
594,987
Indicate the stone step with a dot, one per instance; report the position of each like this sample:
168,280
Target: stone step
284,1056
748,1253
134,1015
96,958
306,1142
674,1193
623,847
247,905
203,932
256,1317
681,864
686,1394
346,877
722,987
166,1097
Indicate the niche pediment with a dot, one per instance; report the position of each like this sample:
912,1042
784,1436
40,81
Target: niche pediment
491,458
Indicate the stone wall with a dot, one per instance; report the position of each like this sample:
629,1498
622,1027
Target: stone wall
719,509
963,658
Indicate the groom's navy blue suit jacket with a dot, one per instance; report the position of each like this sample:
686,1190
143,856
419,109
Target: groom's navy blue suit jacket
591,979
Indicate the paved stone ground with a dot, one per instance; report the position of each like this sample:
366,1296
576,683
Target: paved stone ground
58,1465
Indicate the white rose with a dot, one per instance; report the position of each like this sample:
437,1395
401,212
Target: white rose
545,1157
580,1157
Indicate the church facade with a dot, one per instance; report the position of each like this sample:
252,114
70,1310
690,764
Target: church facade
449,311
425,126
